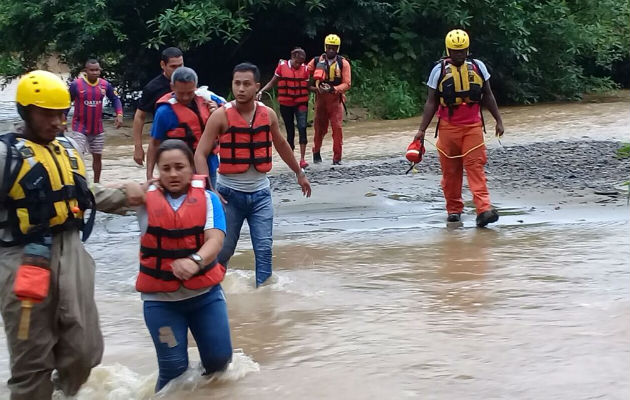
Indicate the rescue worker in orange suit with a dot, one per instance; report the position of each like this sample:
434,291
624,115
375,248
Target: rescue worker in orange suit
458,86
332,77
181,114
247,132
46,275
292,77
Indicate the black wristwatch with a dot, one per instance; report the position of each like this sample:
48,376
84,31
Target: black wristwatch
197,259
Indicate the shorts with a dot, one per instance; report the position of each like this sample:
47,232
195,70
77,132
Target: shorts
92,144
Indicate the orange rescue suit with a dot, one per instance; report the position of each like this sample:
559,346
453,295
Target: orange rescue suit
191,124
171,235
244,144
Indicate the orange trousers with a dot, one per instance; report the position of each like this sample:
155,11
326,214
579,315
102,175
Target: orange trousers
328,108
455,140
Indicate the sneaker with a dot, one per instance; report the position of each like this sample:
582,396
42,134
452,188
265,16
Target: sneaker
456,217
317,158
487,217
303,163
336,162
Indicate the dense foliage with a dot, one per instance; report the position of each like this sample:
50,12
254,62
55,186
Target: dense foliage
540,50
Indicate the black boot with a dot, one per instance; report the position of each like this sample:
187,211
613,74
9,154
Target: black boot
317,158
487,217
454,217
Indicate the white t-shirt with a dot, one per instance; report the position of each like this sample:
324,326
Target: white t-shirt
436,71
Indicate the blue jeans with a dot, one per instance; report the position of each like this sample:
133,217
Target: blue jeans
213,166
168,323
257,209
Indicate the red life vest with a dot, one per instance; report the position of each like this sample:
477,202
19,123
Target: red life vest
191,124
171,235
292,84
243,144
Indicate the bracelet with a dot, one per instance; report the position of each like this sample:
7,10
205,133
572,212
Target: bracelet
301,173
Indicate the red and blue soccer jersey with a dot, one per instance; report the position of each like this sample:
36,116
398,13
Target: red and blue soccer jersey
88,104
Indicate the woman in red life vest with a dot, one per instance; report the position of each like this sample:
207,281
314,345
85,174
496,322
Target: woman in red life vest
183,227
292,78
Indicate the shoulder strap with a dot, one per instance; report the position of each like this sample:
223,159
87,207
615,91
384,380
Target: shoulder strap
9,176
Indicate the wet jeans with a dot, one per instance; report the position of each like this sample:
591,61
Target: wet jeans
299,112
168,323
257,209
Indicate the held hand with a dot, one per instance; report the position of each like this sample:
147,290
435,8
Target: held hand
259,95
184,268
135,194
118,121
323,88
419,135
499,129
138,155
304,184
212,106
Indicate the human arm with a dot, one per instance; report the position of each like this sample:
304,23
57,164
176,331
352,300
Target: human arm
490,103
268,86
346,78
216,124
114,199
113,97
138,123
285,152
430,107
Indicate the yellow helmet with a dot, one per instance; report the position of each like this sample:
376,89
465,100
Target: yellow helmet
42,89
456,39
332,40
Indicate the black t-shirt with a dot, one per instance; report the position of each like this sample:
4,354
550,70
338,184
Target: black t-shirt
156,88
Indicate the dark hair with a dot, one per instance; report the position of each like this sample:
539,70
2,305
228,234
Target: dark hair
171,52
91,61
298,50
175,144
244,67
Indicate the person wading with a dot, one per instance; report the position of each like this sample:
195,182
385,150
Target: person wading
172,58
180,114
458,86
87,92
292,78
46,275
332,76
246,130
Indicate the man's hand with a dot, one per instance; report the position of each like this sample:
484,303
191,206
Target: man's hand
135,194
212,106
419,135
304,184
324,88
138,155
184,268
118,121
499,129
259,95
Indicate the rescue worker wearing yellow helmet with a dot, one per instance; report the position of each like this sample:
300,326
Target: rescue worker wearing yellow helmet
332,76
458,86
46,275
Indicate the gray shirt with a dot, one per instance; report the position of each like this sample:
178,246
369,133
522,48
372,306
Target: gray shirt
249,181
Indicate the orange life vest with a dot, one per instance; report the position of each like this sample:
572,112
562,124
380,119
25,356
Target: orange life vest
171,235
191,124
292,84
243,144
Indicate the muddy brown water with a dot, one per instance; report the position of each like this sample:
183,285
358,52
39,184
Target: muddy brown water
374,297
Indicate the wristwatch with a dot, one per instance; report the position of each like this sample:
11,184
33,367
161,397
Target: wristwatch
301,173
197,259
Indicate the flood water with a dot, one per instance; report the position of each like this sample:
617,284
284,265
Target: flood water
374,298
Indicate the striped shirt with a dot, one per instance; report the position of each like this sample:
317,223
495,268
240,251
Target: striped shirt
88,104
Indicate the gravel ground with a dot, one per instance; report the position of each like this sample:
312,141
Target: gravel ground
565,165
